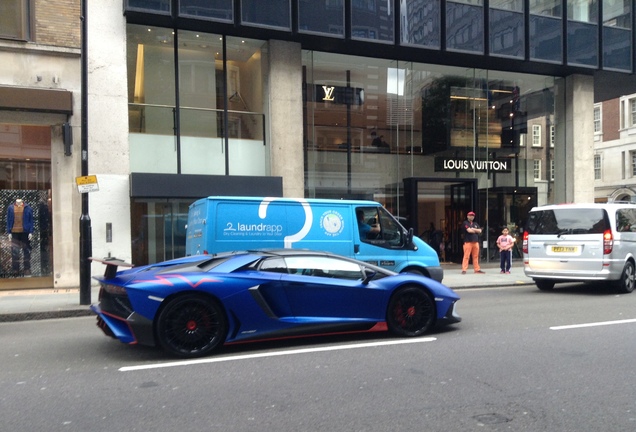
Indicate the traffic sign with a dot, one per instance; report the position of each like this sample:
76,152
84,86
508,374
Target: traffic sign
87,184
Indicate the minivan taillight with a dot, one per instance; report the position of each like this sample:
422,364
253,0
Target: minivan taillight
608,242
525,242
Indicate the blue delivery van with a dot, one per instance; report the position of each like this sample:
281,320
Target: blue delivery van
358,229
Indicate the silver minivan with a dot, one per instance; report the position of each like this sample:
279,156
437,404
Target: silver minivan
581,242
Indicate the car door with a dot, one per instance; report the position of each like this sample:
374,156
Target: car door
385,248
327,288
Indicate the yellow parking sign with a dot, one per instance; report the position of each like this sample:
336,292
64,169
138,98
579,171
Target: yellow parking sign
87,184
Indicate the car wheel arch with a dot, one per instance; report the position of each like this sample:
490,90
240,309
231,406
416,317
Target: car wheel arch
421,271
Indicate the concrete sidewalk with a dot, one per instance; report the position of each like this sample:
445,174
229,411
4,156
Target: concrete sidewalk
21,305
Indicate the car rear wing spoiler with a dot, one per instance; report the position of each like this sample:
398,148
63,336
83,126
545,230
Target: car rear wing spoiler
111,265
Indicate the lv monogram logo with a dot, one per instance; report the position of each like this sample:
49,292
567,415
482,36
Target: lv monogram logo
328,93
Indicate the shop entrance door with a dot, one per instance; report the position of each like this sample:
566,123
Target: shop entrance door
462,200
440,204
158,230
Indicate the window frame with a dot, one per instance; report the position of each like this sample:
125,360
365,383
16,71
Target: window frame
628,112
26,10
597,167
552,135
598,119
536,135
536,169
552,165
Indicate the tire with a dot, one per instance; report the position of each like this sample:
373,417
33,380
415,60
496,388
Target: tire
627,281
414,271
411,312
544,284
191,326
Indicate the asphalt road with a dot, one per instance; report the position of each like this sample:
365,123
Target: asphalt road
510,365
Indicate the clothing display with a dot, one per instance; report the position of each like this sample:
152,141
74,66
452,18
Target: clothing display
20,228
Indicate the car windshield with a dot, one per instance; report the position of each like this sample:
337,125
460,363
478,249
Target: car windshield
568,221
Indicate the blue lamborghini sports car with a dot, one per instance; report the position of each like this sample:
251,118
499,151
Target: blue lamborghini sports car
191,306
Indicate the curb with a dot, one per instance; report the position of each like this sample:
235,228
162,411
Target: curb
32,316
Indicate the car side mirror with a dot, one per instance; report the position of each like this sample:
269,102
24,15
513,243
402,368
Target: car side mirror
367,275
409,239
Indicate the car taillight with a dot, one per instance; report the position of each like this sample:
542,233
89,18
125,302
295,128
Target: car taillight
525,242
608,242
114,289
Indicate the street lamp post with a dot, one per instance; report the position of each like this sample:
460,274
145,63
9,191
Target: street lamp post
85,220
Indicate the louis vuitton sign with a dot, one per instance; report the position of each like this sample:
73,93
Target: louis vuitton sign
472,165
338,94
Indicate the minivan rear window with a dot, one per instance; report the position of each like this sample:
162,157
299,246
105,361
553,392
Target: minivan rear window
568,221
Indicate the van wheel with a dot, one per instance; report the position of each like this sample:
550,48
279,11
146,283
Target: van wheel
544,284
628,280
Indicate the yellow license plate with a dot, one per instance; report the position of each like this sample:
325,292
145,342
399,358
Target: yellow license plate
565,249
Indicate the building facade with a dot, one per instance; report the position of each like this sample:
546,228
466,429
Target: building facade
432,108
39,93
615,149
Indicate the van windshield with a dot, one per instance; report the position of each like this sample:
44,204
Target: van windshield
568,221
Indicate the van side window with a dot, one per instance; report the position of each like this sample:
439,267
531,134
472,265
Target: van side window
626,220
390,233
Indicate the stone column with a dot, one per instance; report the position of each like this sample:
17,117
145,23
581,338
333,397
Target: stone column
574,139
285,137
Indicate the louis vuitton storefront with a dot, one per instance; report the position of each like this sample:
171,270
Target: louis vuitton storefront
429,142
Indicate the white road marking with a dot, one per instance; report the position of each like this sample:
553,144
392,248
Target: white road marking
597,324
274,354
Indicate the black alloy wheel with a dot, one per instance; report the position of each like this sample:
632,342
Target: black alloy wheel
191,325
411,312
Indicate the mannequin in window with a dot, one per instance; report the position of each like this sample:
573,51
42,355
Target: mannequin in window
20,229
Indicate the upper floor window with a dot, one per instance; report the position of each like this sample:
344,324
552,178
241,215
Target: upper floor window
15,19
161,6
537,169
597,119
628,111
522,139
536,135
632,154
277,14
552,136
552,169
597,167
